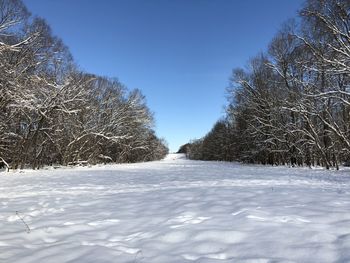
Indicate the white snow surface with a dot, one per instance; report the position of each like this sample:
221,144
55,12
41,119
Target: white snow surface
175,210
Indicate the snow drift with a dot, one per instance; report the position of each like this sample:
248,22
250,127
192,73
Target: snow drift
175,210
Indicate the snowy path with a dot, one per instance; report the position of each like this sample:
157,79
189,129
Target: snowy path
175,210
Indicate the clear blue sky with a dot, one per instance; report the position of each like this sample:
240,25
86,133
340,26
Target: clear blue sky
180,53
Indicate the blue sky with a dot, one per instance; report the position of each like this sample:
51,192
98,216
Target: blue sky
179,53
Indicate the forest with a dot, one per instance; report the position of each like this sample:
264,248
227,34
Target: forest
78,180
291,104
53,113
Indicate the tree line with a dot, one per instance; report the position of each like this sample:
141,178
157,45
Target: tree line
53,113
292,103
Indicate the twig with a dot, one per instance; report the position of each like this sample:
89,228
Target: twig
26,225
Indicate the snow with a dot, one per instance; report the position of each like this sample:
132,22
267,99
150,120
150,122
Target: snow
175,210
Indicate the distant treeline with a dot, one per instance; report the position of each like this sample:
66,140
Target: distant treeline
292,104
52,113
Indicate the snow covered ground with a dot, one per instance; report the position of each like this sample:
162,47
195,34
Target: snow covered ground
175,210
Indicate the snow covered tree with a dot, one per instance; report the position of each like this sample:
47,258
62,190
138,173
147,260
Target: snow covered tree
50,113
291,106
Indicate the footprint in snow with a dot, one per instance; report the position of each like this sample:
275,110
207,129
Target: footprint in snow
128,250
187,219
194,257
280,219
104,222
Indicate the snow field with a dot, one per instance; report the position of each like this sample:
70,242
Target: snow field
175,210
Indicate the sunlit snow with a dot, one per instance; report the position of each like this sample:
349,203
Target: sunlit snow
175,210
